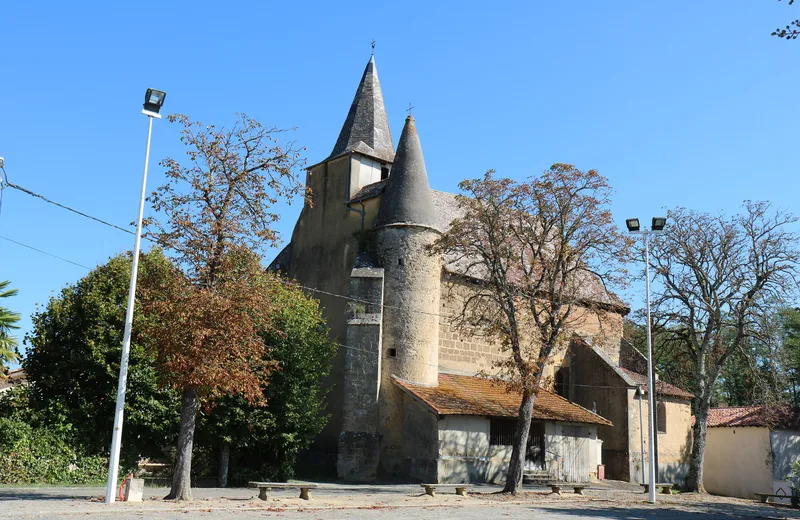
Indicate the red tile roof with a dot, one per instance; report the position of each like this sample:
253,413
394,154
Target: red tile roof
468,395
764,416
662,387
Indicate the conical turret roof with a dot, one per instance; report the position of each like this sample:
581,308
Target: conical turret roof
407,198
366,128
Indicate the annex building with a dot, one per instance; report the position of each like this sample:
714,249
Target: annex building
406,401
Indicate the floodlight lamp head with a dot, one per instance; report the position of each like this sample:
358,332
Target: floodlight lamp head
633,225
153,101
658,223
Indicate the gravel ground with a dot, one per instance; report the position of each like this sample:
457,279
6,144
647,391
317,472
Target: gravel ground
338,501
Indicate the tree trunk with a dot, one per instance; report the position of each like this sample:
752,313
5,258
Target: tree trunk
517,464
222,468
182,477
694,480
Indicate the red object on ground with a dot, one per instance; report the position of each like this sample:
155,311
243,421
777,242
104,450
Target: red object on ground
122,486
601,472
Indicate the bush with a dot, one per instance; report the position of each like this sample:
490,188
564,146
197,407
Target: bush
43,454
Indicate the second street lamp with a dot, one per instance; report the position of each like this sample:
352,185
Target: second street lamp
657,227
153,101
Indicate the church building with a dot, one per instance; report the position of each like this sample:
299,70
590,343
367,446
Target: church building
406,400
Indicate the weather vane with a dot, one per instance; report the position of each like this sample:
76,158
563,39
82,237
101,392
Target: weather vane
373,46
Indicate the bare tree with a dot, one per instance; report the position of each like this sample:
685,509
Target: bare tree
542,251
719,280
791,31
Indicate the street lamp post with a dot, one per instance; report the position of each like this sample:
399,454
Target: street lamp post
657,227
153,101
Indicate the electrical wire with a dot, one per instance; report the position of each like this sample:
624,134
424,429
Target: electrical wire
50,201
46,253
5,183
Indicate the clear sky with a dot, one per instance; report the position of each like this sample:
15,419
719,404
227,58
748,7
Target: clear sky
678,103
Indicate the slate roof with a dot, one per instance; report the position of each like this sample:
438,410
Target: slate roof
366,129
407,197
662,387
469,395
283,262
764,416
369,191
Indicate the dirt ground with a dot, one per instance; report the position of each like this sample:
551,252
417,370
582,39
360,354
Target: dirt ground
604,499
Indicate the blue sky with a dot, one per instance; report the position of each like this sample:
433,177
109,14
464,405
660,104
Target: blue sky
677,103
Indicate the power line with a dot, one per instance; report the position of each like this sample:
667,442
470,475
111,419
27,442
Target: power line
50,201
46,253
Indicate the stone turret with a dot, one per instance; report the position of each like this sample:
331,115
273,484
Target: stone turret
405,227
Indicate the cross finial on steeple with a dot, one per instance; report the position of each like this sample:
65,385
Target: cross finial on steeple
409,109
373,46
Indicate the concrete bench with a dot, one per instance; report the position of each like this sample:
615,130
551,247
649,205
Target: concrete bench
665,487
430,489
555,487
763,497
265,488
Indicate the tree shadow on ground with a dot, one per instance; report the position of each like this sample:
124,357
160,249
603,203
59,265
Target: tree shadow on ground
32,494
685,511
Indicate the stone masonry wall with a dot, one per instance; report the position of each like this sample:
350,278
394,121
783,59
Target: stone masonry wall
359,442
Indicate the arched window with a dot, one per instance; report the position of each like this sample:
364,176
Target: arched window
661,421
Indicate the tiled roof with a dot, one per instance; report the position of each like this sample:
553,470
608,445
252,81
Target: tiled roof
662,387
11,378
468,395
764,416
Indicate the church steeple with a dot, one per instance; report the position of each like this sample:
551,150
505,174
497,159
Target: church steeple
407,198
366,128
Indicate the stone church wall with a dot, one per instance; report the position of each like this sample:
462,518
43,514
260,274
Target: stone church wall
460,351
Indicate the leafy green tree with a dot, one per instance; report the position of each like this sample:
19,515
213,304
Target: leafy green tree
262,442
73,361
8,320
789,319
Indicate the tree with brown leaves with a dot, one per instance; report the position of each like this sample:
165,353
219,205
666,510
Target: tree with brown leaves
214,214
719,280
544,251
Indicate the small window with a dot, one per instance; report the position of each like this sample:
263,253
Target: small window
562,382
501,432
400,261
384,173
661,420
392,352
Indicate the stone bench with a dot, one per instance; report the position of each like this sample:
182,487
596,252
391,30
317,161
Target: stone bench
555,487
665,487
763,497
265,488
430,489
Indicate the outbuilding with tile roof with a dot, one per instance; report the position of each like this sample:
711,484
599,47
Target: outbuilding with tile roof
751,449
